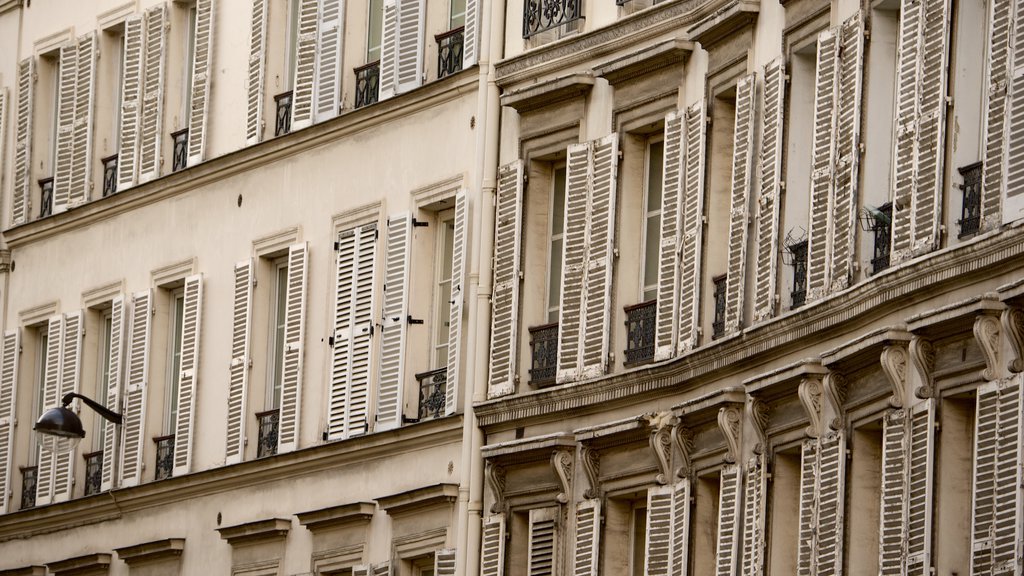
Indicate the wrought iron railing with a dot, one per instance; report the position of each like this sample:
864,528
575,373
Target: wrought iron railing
640,321
180,158
970,214
109,175
883,238
433,388
541,15
93,472
267,444
449,52
367,84
45,197
283,116
164,456
718,324
798,252
28,487
543,353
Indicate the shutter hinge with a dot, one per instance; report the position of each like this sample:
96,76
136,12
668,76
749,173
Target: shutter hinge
410,320
419,224
330,341
337,246
620,155
526,179
323,435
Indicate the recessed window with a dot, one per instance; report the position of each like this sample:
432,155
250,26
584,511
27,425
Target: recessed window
279,299
374,29
652,218
555,241
443,290
174,359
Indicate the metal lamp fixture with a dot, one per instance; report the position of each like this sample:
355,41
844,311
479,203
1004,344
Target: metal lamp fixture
60,429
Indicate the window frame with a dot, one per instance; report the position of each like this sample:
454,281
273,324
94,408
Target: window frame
556,167
276,324
172,378
445,239
104,350
649,214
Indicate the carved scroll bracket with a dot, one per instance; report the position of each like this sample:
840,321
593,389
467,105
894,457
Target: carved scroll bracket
986,333
1013,323
591,461
495,475
683,438
729,419
661,443
894,364
810,393
835,391
561,461
922,356
758,413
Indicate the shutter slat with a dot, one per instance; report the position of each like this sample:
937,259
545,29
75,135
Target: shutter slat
133,429
586,554
893,506
329,57
729,509
65,122
305,66
596,311
257,73
508,221
984,482
444,562
113,391
805,560
692,214
8,403
742,168
492,546
188,380
82,137
23,143
291,366
70,372
574,261
460,247
51,398
769,201
681,527
202,68
660,536
389,50
131,103
1015,122
469,34
542,552
409,48
668,251
993,180
238,369
754,510
904,177
391,380
1008,498
831,486
921,466
822,164
151,121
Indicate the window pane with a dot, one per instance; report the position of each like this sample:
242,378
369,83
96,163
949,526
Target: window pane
444,292
374,29
101,382
652,242
175,364
555,280
558,202
281,297
293,42
458,14
655,157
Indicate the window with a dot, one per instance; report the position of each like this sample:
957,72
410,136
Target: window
555,228
785,510
279,303
292,44
457,14
102,378
374,29
705,522
39,401
865,488
443,289
174,360
652,219
451,44
190,53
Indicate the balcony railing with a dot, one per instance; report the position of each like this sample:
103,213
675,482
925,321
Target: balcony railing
28,487
541,15
970,214
367,84
798,252
640,321
45,197
180,158
283,116
267,445
718,325
164,456
883,238
543,353
449,52
433,388
109,175
93,472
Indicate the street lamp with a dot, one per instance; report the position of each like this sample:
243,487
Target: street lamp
60,429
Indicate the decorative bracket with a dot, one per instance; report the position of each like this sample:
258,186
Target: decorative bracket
894,364
758,412
661,443
683,437
810,396
591,461
1013,323
922,356
561,461
835,391
729,422
986,332
495,474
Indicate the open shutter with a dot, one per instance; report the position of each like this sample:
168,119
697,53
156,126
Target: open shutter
202,65
681,527
391,381
3,126
131,104
389,50
542,553
739,217
1014,201
847,152
692,228
904,159
382,569
729,502
919,488
998,66
660,512
8,404
305,66
1008,532
133,429
409,52
85,94
257,72
444,562
668,250
66,78
597,307
587,551
469,34
492,546
822,165
188,385
112,387
754,500
460,247
986,448
831,494
51,399
294,329
808,508
574,261
769,201
508,222
151,120
70,371
23,143
238,370
328,54
893,506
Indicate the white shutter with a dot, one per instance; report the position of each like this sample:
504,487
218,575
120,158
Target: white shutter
291,368
131,104
133,430
151,122
1000,21
754,510
305,66
596,312
409,49
469,34
742,171
574,261
460,256
238,370
831,494
668,250
692,227
444,562
542,552
904,159
67,76
20,205
1015,122
921,466
492,546
508,222
729,502
112,390
70,371
51,399
257,71
681,527
391,379
188,384
822,164
998,476
986,448
8,404
389,50
808,508
659,544
893,506
361,570
587,552
330,31
769,201
85,94
382,569
3,127
202,68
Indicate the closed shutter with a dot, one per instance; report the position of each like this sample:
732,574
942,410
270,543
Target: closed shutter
294,330
587,551
388,50
1015,121
986,449
51,398
994,150
742,169
8,404
660,512
70,371
893,506
542,552
754,500
202,66
847,153
133,429
904,178
66,78
85,95
409,49
353,332
769,201
23,143
831,493
257,71
305,66
238,369
681,527
112,390
131,104
151,120
692,227
508,222
921,478
188,380
444,562
808,508
460,247
596,313
391,381
3,126
469,34
361,570
574,261
821,164
729,502
492,546
328,55
668,250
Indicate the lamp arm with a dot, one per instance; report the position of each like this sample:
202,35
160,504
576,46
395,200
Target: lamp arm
99,408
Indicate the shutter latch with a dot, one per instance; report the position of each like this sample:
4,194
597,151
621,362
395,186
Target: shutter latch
419,224
411,320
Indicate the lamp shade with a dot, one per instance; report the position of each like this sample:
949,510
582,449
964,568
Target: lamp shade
60,422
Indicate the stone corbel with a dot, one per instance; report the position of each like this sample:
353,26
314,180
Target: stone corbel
683,438
729,422
661,443
922,356
986,333
758,411
810,392
561,461
835,391
591,461
894,364
495,474
1013,323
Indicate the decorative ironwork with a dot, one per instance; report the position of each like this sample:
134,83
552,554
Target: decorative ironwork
718,326
283,118
93,472
367,84
109,175
29,474
541,15
268,421
180,158
640,320
449,52
543,353
164,456
45,197
883,238
798,255
433,388
970,214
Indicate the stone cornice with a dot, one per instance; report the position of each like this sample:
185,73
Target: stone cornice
25,571
337,515
724,22
548,92
258,531
954,318
419,498
527,449
152,551
645,60
80,564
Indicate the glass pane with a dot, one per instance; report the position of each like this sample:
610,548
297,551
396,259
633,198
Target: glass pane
279,318
190,51
555,280
652,243
655,158
101,383
374,29
175,369
458,14
558,202
444,293
293,42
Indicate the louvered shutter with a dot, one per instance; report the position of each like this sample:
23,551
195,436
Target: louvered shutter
681,527
492,546
382,569
294,329
8,404
460,247
1015,121
574,261
1000,21
986,448
3,125
469,34
754,500
202,66
409,49
70,372
131,104
596,313
769,201
151,116
444,562
389,50
391,380
921,478
305,66
729,502
51,398
659,544
742,172
188,384
66,78
808,508
587,552
361,570
692,228
847,153
542,552
668,250
112,390
831,494
238,370
257,71
20,205
133,429
329,54
822,164
353,332
904,178
893,506
508,222
85,94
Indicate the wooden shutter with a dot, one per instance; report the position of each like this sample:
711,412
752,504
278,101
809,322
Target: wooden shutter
769,201
659,544
921,466
131,103
20,204
692,228
133,429
587,552
808,508
508,222
409,49
294,329
986,447
151,117
238,370
3,126
257,72
729,501
596,313
574,261
893,506
469,34
188,380
460,247
821,164
85,95
353,332
202,66
542,552
8,410
112,390
51,399
668,250
681,527
831,494
70,371
305,66
754,510
1015,124
739,217
444,562
66,78
330,31
904,160
382,569
361,570
1000,21
492,546
389,50
391,381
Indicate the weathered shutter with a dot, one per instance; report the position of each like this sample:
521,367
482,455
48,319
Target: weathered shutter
508,222
822,165
112,390
329,56
382,569
353,332
893,505
444,562
188,385
70,371
3,126
257,71
305,66
574,261
133,430
808,508
1008,530
1000,21
492,546
542,552
202,66
388,50
20,204
587,553
151,117
769,201
409,50
739,217
391,380
692,227
1015,126
831,494
904,159
66,78
131,103
238,370
986,448
460,247
469,34
729,501
85,95
361,570
921,466
668,250
681,527
294,329
8,404
659,544
754,510
51,398
596,312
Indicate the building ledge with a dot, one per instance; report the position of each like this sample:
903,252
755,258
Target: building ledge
785,380
645,60
25,571
954,318
619,432
863,350
724,22
705,408
419,498
528,449
258,531
152,551
80,564
337,515
548,92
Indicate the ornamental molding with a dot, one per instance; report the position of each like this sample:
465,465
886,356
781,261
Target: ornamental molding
758,412
661,444
562,462
1013,324
922,356
729,419
986,334
835,391
683,439
591,461
894,364
495,475
810,393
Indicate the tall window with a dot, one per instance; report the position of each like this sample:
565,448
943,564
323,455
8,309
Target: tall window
174,359
652,219
555,243
292,42
40,399
190,52
102,378
443,289
457,14
374,29
280,303
638,538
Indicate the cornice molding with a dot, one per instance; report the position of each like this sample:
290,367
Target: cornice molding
419,498
152,551
257,531
80,564
336,515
